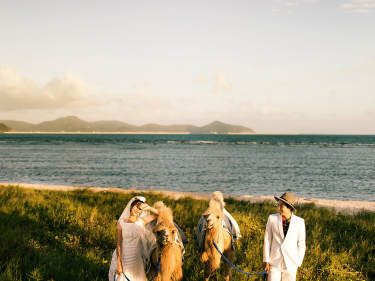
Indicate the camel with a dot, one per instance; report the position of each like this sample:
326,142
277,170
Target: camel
167,258
210,257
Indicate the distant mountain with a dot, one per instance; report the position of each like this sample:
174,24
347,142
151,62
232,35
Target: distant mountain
67,124
217,127
18,126
166,128
74,124
3,128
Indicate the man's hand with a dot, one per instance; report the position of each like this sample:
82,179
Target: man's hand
267,266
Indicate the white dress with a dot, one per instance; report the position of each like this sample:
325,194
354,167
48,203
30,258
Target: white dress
136,244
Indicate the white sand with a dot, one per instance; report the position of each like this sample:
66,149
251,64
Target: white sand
100,133
350,207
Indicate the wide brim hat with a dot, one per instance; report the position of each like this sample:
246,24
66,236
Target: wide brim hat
288,199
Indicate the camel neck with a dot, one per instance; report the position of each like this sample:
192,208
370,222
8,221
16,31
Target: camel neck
215,233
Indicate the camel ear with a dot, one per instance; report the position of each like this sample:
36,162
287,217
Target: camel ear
158,205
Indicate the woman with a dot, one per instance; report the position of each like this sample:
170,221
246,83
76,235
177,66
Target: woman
134,242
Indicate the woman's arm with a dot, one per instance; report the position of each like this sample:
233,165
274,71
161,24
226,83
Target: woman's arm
119,240
150,218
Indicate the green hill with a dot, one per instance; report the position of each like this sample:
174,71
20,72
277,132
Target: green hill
165,128
74,124
218,127
19,126
3,128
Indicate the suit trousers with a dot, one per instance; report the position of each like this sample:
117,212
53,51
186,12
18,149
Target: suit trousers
278,274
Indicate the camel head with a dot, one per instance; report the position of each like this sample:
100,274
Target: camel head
214,213
164,230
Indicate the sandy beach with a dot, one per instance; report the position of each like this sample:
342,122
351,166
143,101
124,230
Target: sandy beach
98,133
348,207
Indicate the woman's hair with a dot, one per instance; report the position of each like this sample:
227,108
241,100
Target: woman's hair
135,203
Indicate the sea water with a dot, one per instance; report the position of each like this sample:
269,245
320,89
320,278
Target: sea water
312,166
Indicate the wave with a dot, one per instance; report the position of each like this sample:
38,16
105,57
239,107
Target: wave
203,142
323,141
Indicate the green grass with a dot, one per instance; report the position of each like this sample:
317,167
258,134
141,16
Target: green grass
51,235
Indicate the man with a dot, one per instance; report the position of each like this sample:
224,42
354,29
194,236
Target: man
284,241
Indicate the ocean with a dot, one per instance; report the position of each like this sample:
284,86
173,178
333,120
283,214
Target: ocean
340,167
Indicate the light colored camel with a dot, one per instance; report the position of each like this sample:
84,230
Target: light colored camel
169,246
215,232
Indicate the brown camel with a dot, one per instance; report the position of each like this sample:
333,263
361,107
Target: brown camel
169,251
215,232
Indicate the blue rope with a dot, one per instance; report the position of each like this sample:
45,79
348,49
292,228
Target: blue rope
235,267
114,277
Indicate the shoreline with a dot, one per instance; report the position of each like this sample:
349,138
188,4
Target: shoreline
132,133
349,207
183,133
120,133
98,133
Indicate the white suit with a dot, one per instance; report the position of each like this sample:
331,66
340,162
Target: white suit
284,254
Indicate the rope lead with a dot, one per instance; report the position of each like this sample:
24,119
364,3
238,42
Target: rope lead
235,267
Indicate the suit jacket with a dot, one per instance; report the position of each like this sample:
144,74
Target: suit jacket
290,248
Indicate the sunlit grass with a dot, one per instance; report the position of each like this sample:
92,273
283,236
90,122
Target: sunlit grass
51,235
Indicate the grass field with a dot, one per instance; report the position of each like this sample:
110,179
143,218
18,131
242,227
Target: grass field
57,235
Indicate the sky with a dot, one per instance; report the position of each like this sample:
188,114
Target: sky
276,66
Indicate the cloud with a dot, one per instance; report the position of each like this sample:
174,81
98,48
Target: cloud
138,106
358,6
145,101
200,79
221,82
217,82
143,84
269,110
310,1
18,92
364,69
289,6
291,3
22,98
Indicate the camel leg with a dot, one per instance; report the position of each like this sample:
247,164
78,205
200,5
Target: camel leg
207,272
227,267
228,272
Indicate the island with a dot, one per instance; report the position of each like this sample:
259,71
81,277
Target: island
73,124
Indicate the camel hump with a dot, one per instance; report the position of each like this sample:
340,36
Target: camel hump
218,196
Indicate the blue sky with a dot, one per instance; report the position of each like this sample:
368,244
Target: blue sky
297,66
